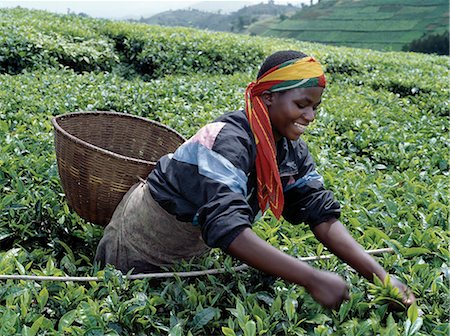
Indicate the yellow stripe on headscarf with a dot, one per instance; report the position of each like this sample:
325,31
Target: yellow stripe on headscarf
306,67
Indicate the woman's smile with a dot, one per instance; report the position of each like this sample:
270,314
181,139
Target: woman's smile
300,127
291,112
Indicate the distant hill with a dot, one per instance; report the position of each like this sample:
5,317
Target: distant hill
222,7
375,24
238,21
190,18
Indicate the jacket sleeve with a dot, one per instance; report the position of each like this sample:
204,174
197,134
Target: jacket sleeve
306,199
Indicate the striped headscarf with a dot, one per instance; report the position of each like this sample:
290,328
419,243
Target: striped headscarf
296,73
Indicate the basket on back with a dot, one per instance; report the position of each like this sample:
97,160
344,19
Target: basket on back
101,155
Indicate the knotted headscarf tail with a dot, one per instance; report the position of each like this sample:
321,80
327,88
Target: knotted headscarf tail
297,73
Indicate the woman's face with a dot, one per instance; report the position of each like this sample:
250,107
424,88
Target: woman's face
290,112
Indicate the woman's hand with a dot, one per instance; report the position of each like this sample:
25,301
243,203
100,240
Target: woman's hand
328,289
405,292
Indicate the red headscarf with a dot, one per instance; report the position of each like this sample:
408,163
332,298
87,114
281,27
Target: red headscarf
297,73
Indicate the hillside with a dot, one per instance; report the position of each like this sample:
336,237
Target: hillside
237,21
380,141
190,18
375,24
380,25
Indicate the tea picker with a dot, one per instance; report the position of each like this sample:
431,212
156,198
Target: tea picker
210,190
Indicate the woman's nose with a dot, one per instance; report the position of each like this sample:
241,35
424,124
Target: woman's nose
310,114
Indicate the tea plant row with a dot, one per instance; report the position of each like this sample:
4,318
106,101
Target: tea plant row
380,141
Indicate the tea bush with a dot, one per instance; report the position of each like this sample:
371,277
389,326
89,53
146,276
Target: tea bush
160,51
28,43
380,140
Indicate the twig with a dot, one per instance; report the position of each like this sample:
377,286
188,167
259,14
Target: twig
166,274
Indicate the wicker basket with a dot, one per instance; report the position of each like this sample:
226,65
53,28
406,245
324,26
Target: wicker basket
101,155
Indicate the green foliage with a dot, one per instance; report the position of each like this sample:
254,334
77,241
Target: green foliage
430,44
31,44
380,141
157,51
50,40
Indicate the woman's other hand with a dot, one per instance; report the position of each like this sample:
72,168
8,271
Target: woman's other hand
328,289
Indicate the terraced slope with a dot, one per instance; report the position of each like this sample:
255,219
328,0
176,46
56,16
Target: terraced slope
375,24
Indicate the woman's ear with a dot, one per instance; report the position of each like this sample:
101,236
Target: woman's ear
267,97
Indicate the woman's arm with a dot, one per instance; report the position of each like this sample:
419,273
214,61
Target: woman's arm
325,287
338,240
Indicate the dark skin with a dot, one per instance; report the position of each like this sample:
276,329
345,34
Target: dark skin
290,112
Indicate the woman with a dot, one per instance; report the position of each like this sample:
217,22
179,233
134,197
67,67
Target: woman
211,190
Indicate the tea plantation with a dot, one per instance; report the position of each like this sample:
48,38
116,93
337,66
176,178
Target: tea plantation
380,140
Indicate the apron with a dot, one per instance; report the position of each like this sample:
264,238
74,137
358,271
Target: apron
144,237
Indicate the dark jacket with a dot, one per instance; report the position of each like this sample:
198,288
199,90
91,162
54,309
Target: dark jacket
211,181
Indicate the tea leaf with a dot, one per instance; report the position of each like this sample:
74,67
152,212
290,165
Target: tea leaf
176,330
415,251
228,332
391,326
290,306
42,298
250,328
276,305
415,327
66,320
36,325
413,312
203,317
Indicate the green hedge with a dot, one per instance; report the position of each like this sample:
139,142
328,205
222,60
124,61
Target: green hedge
82,44
157,51
24,47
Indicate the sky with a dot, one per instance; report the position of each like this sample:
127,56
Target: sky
132,9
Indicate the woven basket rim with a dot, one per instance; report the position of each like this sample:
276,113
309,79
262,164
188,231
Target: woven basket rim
102,150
